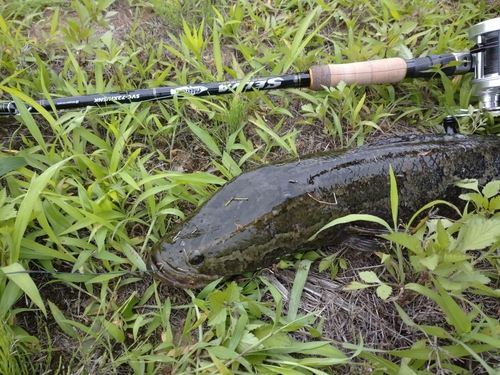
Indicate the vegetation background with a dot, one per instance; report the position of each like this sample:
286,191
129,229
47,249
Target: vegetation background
85,193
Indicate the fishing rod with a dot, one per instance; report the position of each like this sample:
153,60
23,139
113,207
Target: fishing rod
363,73
482,59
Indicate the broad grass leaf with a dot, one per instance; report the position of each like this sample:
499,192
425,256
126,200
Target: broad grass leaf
221,368
238,332
101,220
481,337
61,320
454,314
320,362
404,316
43,220
404,239
19,97
205,137
435,331
138,323
34,250
320,348
478,233
226,353
222,352
389,367
129,180
73,277
26,208
394,197
230,165
393,9
11,163
114,330
276,338
105,277
299,43
82,258
132,255
217,51
261,124
272,369
277,298
195,178
16,273
432,204
9,296
349,219
93,139
298,287
429,353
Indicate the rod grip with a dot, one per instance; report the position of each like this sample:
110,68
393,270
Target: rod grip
363,73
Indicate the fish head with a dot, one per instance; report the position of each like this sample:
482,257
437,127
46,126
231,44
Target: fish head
226,236
183,261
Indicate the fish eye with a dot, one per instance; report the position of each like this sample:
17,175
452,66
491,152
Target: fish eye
196,259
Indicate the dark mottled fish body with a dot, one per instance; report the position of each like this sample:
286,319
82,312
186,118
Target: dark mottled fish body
282,205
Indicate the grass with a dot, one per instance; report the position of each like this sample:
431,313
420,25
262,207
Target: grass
85,193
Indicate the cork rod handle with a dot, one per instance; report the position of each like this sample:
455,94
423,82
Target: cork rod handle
363,73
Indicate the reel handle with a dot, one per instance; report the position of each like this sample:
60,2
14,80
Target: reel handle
388,70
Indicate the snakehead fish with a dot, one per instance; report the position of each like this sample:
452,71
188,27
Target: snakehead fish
269,213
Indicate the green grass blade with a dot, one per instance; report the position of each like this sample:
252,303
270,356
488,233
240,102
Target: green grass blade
11,163
298,287
205,138
349,219
217,51
60,320
19,98
457,317
24,281
27,205
394,198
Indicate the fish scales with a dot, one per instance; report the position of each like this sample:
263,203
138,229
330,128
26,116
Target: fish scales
275,209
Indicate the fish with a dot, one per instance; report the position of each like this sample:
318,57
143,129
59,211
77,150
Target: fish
270,213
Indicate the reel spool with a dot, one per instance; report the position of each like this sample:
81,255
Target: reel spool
486,63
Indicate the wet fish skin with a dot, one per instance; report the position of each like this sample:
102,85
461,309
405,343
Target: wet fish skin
284,204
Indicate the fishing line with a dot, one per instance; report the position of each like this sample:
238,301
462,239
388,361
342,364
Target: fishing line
41,272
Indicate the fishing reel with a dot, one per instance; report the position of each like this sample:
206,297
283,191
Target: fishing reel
486,36
485,64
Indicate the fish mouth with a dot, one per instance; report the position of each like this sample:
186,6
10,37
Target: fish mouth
178,277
